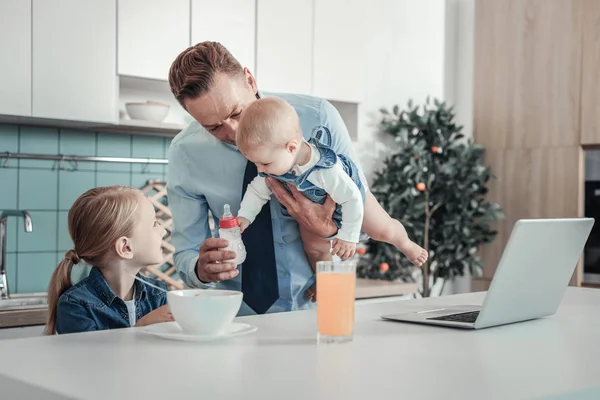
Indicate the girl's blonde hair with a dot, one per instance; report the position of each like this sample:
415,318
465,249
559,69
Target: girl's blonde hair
96,220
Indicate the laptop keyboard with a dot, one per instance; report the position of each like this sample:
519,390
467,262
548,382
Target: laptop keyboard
467,317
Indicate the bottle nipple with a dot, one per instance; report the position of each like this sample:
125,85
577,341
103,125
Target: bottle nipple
228,220
227,212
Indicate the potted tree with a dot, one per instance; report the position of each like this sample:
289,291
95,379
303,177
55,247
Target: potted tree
435,183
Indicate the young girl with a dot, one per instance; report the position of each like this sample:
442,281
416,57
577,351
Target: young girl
269,135
115,230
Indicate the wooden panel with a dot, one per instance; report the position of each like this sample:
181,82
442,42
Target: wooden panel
532,183
590,89
480,284
527,73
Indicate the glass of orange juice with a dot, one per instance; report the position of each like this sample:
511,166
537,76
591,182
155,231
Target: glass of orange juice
336,283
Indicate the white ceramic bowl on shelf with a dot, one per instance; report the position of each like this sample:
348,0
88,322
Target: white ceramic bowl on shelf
148,111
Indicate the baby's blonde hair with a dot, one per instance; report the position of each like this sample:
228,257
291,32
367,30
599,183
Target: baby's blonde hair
96,220
268,121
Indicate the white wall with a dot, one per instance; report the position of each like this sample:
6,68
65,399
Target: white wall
462,12
416,48
405,60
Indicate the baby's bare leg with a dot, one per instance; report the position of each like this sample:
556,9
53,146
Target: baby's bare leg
316,249
380,226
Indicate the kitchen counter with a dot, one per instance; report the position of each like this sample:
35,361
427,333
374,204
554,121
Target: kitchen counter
23,317
541,359
365,289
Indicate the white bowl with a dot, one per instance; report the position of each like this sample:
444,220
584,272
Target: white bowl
204,311
148,111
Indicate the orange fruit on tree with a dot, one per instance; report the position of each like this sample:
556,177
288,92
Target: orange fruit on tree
435,149
420,186
384,267
361,250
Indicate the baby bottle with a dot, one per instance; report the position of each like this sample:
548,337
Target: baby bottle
229,228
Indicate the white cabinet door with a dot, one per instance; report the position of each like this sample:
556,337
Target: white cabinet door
74,60
15,57
230,22
339,49
151,33
284,46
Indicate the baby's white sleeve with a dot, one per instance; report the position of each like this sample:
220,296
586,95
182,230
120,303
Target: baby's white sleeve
257,194
342,189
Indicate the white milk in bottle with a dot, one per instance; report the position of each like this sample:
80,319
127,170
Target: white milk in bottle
229,228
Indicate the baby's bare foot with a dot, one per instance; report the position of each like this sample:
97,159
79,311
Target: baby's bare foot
415,253
311,293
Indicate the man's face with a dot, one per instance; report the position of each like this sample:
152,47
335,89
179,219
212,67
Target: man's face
219,110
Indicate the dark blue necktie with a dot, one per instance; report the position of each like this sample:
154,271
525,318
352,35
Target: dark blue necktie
259,270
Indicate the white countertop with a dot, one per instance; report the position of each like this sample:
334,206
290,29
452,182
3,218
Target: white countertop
387,360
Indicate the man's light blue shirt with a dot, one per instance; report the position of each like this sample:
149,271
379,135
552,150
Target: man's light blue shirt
205,173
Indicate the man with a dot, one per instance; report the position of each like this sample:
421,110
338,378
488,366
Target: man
206,171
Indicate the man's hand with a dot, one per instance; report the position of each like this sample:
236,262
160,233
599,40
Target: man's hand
161,314
211,266
244,223
314,217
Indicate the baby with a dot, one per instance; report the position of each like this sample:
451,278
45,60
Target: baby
270,136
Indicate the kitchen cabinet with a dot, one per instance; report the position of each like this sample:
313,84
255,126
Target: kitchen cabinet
230,22
590,88
284,40
15,47
74,52
527,111
339,49
151,33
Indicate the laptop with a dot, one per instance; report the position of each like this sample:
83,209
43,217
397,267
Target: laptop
530,281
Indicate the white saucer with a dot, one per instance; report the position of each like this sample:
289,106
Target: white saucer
172,330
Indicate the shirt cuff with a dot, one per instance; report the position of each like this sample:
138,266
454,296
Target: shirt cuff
195,281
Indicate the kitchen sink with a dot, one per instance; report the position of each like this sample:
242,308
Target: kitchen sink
24,301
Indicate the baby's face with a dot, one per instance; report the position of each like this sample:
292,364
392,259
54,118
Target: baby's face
272,160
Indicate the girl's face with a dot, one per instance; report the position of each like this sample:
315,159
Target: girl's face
147,235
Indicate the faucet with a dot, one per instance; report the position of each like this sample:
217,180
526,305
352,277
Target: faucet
4,292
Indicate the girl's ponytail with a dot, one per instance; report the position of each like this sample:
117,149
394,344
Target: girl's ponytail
59,283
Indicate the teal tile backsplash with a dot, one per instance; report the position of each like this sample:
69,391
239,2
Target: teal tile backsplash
71,184
10,138
38,189
34,271
12,225
111,145
64,240
80,144
11,270
37,140
8,195
43,236
47,189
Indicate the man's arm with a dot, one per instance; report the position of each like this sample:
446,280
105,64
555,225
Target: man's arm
190,219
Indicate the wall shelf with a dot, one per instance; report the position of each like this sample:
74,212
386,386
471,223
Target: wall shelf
125,126
143,127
